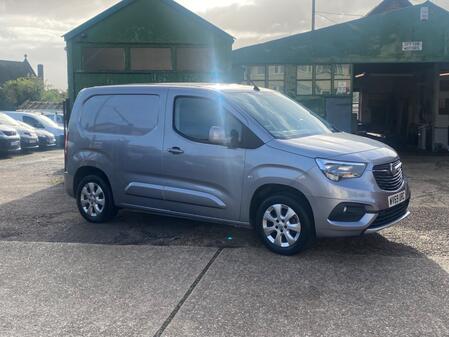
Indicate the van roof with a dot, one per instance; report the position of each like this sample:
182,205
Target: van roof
207,86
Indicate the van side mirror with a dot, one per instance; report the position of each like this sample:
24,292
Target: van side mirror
217,135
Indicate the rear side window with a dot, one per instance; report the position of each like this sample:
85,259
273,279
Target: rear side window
120,114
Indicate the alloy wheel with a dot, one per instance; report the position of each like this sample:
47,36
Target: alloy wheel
92,199
281,225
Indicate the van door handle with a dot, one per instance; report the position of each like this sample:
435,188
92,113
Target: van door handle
176,150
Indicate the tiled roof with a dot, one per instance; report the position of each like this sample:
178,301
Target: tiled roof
39,105
12,70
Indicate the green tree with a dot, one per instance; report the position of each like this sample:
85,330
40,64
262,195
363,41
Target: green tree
15,92
53,95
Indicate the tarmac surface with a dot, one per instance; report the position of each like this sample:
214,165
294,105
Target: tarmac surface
145,275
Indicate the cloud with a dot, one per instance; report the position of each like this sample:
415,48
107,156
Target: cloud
268,19
35,28
57,9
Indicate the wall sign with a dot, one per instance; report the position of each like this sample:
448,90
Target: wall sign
424,13
412,46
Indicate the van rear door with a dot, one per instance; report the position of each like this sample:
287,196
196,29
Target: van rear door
130,125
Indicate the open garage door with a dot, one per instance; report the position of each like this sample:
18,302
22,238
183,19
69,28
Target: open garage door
397,102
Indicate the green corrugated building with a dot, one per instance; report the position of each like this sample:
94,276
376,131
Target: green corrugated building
145,41
389,70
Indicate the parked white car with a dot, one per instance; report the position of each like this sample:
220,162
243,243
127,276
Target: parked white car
28,138
39,122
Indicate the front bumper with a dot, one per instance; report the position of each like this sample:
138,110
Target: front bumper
10,145
29,143
368,224
46,142
362,191
372,230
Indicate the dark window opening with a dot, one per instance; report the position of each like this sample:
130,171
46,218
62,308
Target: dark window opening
195,59
151,59
104,59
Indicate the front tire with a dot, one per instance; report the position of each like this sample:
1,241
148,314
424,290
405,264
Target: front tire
284,224
94,199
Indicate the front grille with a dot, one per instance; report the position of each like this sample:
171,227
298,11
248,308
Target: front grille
9,133
387,177
390,215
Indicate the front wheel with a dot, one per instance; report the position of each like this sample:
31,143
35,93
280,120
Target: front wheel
94,199
284,224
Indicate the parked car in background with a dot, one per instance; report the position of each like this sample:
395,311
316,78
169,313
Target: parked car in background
40,122
46,139
9,139
28,138
231,154
55,117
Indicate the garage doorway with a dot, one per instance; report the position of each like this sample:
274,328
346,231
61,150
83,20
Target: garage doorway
396,103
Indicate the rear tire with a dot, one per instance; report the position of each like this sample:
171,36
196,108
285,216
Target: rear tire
284,224
94,199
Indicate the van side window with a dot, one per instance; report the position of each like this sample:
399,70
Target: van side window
194,117
120,114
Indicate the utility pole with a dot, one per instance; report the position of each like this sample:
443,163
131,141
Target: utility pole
313,14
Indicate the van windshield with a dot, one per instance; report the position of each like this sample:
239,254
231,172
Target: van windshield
282,117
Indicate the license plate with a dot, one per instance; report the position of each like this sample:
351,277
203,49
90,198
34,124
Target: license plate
15,143
396,199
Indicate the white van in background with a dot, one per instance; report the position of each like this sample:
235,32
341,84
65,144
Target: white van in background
58,118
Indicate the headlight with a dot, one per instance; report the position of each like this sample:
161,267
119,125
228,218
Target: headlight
336,170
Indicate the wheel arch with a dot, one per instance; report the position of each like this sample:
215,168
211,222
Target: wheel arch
264,191
85,171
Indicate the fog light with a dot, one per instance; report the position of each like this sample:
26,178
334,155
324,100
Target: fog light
348,212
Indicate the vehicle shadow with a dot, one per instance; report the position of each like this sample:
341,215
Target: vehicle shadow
50,215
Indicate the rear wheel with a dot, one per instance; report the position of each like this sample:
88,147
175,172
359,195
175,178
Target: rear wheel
284,224
94,199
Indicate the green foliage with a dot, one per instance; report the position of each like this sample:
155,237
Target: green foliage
53,95
16,92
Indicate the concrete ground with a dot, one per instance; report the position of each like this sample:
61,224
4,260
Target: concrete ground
145,275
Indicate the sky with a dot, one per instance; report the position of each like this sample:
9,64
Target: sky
35,27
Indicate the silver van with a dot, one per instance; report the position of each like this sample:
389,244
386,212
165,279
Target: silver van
231,154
